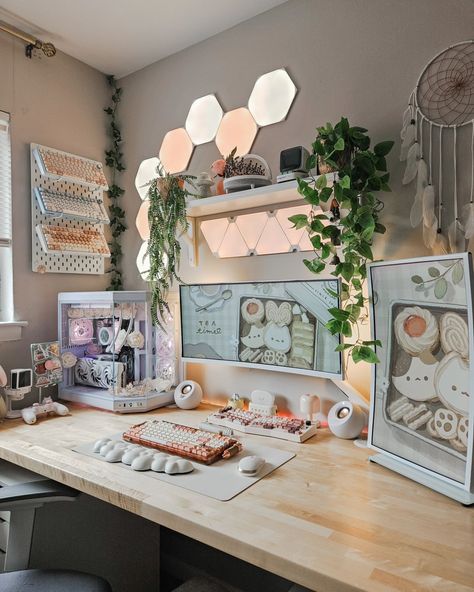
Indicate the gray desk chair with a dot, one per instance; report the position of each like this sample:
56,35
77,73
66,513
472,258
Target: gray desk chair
21,493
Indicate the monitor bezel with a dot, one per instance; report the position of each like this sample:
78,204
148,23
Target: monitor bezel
266,367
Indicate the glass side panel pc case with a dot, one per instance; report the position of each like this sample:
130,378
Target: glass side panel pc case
268,325
113,356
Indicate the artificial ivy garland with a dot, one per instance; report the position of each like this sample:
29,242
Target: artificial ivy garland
114,160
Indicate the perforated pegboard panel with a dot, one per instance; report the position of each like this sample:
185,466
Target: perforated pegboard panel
41,261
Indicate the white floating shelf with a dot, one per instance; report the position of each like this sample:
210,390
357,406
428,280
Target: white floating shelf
270,195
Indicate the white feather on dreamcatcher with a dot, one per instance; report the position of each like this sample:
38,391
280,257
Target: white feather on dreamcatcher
444,99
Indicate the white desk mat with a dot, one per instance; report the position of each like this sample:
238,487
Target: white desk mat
221,480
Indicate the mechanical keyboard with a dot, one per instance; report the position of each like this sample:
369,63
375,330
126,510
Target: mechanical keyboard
74,241
275,426
77,169
191,443
57,204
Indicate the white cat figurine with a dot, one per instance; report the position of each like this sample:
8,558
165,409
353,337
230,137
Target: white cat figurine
418,382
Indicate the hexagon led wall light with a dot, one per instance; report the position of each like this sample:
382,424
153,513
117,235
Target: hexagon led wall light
143,261
176,150
148,170
141,221
203,119
237,129
272,97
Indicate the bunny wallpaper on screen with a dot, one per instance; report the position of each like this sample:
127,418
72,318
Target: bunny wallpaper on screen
273,324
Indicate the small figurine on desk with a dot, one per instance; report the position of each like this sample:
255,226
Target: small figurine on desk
236,402
47,370
30,414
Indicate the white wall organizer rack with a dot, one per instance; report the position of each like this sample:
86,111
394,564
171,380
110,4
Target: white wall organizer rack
67,212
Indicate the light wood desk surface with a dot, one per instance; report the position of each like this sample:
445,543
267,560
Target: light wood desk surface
328,519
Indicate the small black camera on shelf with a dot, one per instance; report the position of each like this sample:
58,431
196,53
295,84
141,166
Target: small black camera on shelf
293,164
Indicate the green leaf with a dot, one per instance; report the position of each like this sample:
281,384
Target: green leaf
339,145
315,266
416,279
381,164
354,312
339,314
345,182
338,192
318,148
298,221
343,346
364,353
346,329
334,326
376,342
458,273
321,182
325,194
440,288
374,183
383,148
365,250
316,241
317,225
311,162
433,271
347,271
325,251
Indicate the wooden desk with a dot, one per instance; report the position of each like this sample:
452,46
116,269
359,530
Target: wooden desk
327,520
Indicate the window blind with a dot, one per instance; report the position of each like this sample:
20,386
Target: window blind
5,181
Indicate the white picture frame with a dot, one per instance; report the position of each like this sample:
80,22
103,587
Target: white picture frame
422,313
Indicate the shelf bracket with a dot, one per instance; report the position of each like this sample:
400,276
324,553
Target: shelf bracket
191,239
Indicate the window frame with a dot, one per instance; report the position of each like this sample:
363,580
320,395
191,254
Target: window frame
10,329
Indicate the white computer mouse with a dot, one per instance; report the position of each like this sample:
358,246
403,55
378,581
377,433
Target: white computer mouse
251,465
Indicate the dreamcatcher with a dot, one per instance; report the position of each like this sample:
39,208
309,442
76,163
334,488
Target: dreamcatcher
441,103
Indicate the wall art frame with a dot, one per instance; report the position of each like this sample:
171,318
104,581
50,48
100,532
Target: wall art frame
422,408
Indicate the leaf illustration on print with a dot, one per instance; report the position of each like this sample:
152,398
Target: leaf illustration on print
418,382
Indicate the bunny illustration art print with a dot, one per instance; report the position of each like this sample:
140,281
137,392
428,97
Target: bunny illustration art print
422,408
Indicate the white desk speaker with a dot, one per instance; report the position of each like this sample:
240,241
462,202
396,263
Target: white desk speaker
346,420
188,394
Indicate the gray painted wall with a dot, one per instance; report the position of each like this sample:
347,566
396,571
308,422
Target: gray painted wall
57,102
359,58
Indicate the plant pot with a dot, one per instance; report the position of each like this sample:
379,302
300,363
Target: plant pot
220,186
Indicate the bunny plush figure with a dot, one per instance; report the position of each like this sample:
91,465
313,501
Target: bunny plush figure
276,335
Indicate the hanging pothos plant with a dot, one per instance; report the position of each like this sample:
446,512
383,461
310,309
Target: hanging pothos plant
114,160
342,236
167,220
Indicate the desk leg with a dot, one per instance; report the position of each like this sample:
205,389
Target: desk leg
19,538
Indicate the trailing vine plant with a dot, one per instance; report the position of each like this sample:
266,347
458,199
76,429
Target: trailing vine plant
114,160
167,220
343,235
